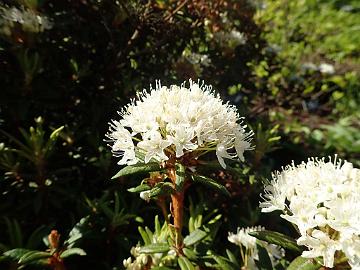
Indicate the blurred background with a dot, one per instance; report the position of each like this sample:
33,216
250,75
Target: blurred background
292,69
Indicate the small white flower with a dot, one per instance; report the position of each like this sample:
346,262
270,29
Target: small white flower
351,248
232,39
326,68
320,244
154,146
243,239
182,139
145,195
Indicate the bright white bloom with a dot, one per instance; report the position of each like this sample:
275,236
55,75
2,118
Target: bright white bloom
320,245
196,59
249,243
230,39
326,68
351,248
242,237
139,262
145,195
28,19
322,198
177,121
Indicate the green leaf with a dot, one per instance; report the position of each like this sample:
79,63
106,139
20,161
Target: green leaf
155,248
161,268
180,176
138,168
189,253
301,263
145,236
194,237
191,224
157,225
33,256
185,264
55,134
224,263
277,239
232,258
72,251
210,183
264,262
80,230
149,233
16,253
139,188
52,140
161,188
26,256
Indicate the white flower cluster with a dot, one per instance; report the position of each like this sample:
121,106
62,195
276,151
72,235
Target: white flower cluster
323,68
176,120
322,198
243,239
197,58
29,20
139,262
230,39
150,260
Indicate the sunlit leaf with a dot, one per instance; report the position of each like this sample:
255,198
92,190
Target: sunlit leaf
194,237
301,263
210,183
155,248
277,239
138,169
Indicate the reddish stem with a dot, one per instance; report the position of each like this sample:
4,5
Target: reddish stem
177,200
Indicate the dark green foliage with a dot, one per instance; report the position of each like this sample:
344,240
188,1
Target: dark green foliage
277,239
301,263
60,88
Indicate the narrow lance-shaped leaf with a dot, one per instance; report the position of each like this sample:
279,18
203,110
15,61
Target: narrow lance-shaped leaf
264,262
224,263
277,239
16,253
232,258
139,188
77,232
145,236
137,169
210,183
33,256
52,140
194,237
191,254
185,264
301,263
155,248
161,189
72,251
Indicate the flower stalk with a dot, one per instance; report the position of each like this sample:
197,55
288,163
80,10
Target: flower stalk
177,200
177,208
